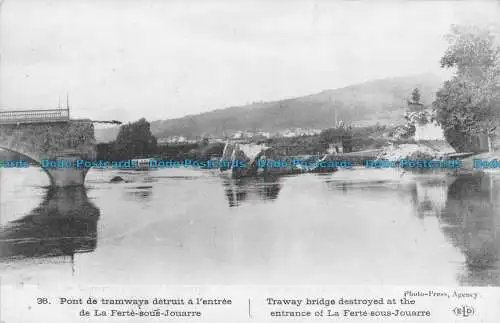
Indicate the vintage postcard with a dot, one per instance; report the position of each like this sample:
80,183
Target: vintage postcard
249,161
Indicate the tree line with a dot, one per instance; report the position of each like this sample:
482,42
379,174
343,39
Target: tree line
469,103
134,140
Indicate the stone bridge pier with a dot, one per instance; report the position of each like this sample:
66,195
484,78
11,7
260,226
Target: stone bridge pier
55,141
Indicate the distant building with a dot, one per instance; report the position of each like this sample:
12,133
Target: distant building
237,135
162,141
427,129
289,134
296,132
341,145
340,140
173,140
477,143
263,134
216,140
415,106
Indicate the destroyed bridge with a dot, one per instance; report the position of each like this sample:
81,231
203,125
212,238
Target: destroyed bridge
53,135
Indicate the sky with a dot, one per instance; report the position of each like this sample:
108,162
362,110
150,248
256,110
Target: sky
164,59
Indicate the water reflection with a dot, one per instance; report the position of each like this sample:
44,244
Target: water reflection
140,192
65,223
243,189
467,208
429,195
361,217
471,222
468,212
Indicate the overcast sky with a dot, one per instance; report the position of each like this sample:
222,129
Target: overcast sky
162,59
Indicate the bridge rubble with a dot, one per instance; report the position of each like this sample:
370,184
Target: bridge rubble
253,156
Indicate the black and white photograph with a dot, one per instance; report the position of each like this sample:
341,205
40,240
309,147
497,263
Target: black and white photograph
160,144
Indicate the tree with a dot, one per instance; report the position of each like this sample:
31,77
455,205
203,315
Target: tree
415,96
135,139
472,52
469,102
334,135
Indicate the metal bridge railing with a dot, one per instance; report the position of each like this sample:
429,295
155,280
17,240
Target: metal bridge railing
34,116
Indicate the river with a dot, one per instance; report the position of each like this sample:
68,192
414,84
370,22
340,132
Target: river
184,226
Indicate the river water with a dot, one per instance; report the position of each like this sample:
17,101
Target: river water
184,226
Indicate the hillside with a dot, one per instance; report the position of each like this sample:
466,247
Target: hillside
366,103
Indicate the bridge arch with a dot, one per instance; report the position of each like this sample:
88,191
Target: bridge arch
69,140
52,173
28,158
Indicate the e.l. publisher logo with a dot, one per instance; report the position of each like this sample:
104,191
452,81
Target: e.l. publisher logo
464,311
